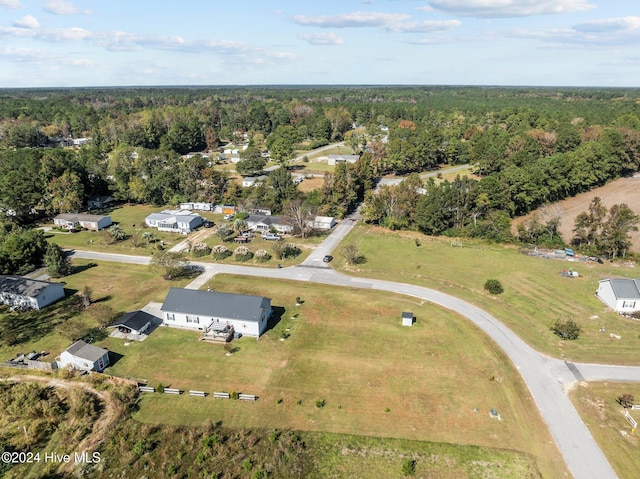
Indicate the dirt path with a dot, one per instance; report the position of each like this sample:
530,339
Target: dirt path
105,422
624,190
199,237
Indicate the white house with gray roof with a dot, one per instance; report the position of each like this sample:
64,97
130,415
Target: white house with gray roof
335,159
263,223
25,293
202,310
174,221
621,295
87,357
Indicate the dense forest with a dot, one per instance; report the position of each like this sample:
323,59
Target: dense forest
527,146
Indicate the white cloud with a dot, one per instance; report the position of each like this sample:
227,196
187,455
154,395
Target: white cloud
30,55
629,24
328,38
623,31
350,20
10,3
27,22
60,7
424,27
509,8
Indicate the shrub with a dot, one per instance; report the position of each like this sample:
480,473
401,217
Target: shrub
568,329
626,400
352,255
242,253
494,286
200,249
408,467
234,395
321,403
160,388
262,255
221,252
285,250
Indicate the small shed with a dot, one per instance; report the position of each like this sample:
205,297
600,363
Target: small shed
135,322
407,319
87,357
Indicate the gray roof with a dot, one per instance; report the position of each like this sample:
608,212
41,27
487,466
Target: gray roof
23,286
133,320
82,350
407,315
265,219
79,217
215,304
625,288
159,216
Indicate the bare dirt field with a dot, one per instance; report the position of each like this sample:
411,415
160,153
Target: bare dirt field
624,190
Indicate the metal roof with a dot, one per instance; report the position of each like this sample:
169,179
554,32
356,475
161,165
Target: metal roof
625,288
215,304
82,350
23,286
76,218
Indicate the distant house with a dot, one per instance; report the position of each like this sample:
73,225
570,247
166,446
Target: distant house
264,211
80,141
324,223
192,154
335,159
205,310
174,221
249,181
224,209
199,206
134,323
88,222
235,158
98,202
621,295
263,223
25,293
407,318
87,357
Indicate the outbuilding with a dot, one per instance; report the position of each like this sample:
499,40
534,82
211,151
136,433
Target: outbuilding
134,323
621,295
87,357
201,310
26,293
407,319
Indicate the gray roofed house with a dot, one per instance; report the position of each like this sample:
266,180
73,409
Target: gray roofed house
199,310
25,293
178,221
264,223
81,355
335,159
89,222
622,295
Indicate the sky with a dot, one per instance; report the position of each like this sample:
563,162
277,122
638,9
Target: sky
59,43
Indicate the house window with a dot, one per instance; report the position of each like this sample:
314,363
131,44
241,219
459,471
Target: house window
171,317
628,304
101,364
193,319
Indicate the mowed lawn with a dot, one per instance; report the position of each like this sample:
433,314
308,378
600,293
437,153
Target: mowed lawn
435,381
535,295
597,404
124,287
131,219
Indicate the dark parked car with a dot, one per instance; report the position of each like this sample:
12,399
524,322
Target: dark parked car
327,258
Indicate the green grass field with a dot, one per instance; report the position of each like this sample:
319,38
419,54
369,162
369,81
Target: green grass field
123,287
535,293
377,378
596,403
131,219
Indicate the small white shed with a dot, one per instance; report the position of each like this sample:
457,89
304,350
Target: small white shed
87,357
407,318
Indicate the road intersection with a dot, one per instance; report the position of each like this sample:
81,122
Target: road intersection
548,379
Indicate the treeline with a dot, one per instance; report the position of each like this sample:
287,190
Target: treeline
527,146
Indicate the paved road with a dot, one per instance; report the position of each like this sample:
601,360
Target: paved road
547,378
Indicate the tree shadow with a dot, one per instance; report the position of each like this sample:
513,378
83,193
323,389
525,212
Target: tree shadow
102,299
17,328
77,269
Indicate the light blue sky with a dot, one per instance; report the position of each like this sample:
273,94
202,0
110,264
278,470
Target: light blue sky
215,42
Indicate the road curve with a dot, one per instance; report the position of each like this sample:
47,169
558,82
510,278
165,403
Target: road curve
546,378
